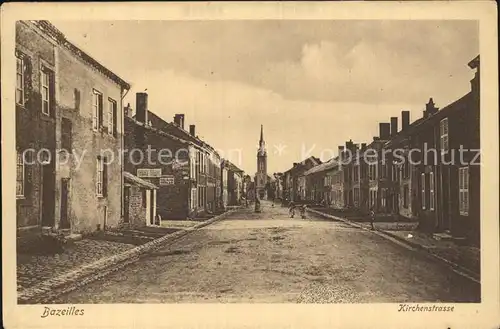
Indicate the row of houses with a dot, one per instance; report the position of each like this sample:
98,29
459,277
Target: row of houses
427,171
85,162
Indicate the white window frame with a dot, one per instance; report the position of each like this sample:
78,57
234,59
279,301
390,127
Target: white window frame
95,109
100,177
20,90
111,123
45,85
20,164
422,188
463,190
431,191
444,135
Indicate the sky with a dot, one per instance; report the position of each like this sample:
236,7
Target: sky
313,84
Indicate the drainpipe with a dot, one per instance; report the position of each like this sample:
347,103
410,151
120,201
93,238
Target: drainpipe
122,145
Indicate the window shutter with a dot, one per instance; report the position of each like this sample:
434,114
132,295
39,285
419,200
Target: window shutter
52,97
115,120
100,114
27,69
104,177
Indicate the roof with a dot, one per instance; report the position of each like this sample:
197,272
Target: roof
158,131
231,166
50,30
330,164
138,181
418,124
172,128
314,160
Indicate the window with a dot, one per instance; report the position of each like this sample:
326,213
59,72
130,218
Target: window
463,186
356,173
422,187
443,133
406,168
112,119
101,186
383,194
373,171
144,197
382,170
406,196
356,196
47,89
20,175
96,110
66,139
20,80
431,191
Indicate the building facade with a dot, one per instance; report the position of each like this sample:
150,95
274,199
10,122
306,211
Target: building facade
64,182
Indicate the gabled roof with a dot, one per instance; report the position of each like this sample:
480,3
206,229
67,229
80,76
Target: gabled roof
231,166
330,164
299,165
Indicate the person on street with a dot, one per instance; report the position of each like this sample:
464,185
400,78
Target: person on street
303,211
291,209
372,218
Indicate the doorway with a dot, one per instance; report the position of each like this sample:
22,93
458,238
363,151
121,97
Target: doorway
126,204
65,224
48,195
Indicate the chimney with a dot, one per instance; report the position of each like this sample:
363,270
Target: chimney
179,120
394,126
384,130
405,119
128,111
141,107
474,83
192,130
363,146
341,152
430,108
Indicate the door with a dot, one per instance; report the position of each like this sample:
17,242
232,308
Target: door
150,207
126,204
64,203
48,195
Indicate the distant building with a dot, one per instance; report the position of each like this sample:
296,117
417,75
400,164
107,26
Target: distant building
261,178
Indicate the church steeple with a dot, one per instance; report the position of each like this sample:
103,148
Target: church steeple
262,144
261,175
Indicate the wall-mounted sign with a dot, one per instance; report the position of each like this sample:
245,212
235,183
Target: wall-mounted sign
167,180
149,172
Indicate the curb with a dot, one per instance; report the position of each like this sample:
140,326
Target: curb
46,290
412,245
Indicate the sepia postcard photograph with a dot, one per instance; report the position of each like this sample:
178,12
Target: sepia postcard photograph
223,165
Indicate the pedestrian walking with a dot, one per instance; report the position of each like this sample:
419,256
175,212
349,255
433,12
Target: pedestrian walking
372,218
303,211
291,209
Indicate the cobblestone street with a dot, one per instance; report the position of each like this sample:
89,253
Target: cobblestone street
269,257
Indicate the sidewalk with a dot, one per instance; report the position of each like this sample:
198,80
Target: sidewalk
465,259
42,277
33,269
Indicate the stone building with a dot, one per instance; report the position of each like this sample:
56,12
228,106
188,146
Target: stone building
190,181
68,110
234,183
